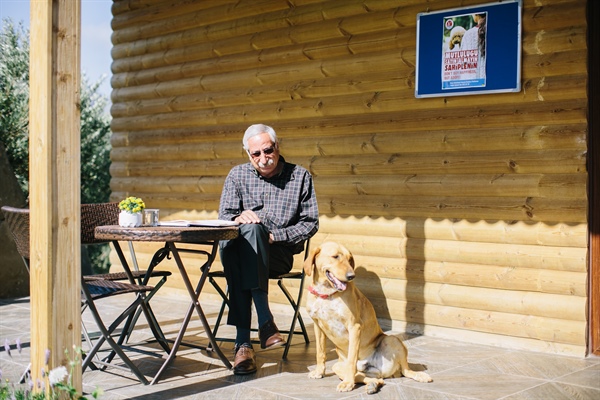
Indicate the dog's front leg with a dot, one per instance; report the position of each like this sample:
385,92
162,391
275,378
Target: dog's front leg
347,372
321,340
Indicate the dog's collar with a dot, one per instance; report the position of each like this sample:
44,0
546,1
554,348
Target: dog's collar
312,290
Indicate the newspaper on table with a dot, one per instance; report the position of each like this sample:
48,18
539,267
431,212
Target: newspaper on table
201,222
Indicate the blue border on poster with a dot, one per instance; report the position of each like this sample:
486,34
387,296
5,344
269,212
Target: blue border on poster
503,59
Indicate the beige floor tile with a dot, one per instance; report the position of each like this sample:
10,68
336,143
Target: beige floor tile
300,386
476,381
460,370
533,365
556,391
589,377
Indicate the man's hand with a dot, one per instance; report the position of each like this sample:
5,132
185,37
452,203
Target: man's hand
248,217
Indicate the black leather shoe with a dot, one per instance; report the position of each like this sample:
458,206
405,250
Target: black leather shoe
269,336
245,360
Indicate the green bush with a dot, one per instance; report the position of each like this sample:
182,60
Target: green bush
14,120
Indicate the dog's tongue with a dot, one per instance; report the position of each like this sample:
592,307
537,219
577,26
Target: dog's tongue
339,285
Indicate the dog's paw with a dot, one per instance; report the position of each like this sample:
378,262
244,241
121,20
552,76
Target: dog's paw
316,374
345,386
372,387
422,377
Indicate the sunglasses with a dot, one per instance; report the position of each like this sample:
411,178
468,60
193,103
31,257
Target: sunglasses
266,152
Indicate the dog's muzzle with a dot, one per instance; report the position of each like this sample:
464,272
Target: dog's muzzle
337,284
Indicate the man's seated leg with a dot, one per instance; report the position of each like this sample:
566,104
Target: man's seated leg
248,262
240,305
268,333
281,259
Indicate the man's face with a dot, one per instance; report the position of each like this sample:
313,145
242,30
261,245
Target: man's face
263,154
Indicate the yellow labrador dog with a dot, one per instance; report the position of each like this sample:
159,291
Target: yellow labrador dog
344,315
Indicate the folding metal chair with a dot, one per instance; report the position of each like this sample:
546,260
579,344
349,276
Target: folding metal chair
294,302
17,220
93,291
98,214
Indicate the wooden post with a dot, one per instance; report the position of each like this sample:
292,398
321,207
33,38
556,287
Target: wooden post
594,175
54,130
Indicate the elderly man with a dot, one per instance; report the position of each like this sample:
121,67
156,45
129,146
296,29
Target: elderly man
274,202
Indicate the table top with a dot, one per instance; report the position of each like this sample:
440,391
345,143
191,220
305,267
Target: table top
189,234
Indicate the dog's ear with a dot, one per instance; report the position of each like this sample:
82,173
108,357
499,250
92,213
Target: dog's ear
310,260
351,259
348,256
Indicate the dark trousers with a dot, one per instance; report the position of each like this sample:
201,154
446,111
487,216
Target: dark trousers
248,262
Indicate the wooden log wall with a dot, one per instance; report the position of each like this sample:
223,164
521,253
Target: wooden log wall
466,215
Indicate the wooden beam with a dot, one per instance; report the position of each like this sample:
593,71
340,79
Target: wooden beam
55,184
594,176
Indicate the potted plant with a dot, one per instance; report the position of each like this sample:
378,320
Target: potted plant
131,211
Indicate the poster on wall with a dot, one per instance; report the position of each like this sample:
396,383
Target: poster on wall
469,50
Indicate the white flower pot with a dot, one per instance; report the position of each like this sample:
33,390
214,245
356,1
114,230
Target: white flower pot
129,220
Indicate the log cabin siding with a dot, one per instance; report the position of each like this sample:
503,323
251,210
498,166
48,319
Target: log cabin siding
465,214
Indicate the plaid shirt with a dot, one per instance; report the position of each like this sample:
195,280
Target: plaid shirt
286,203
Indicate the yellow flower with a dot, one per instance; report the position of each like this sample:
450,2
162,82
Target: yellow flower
132,204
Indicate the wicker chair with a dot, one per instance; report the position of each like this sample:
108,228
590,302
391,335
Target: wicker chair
294,302
97,214
92,290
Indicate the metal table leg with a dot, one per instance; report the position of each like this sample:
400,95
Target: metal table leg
195,304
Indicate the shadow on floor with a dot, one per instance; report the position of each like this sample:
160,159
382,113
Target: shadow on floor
460,370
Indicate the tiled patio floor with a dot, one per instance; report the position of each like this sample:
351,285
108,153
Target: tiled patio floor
459,370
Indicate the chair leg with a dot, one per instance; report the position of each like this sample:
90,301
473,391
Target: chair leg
25,374
154,326
219,318
161,338
295,303
152,323
122,338
158,256
106,337
224,303
297,317
88,340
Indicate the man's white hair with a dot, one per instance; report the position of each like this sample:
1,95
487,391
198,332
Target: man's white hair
257,129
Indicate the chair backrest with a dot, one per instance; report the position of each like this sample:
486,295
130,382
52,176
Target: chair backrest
92,215
97,214
17,220
306,249
303,254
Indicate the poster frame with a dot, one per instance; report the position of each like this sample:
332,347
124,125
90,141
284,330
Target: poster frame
502,63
